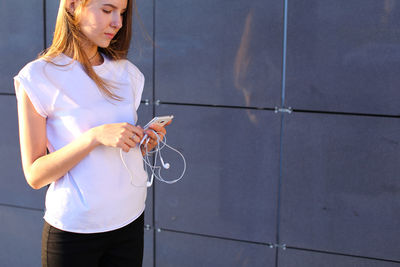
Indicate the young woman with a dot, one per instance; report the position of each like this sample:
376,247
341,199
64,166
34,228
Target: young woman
79,100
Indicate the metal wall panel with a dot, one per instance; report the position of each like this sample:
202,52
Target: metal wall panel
339,173
229,189
340,184
22,38
219,52
343,56
178,249
295,258
148,253
51,16
20,237
14,189
142,44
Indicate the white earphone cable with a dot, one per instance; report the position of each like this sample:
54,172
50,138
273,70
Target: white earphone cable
155,170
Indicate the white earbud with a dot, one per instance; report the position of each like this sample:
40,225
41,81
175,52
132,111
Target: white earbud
165,165
154,169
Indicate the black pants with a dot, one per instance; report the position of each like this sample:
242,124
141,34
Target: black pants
119,248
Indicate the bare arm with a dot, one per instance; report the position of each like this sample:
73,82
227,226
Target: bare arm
41,169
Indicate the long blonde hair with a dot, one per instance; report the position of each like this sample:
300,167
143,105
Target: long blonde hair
68,39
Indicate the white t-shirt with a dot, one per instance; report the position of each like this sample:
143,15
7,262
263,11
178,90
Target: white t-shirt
96,195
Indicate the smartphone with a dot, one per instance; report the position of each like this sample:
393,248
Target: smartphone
159,120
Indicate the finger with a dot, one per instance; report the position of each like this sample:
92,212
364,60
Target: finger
128,126
159,129
139,132
134,135
155,127
156,138
151,134
134,129
125,148
131,143
162,133
135,138
148,146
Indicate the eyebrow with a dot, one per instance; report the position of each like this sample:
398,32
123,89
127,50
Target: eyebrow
111,5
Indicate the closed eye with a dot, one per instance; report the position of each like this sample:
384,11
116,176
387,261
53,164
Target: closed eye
107,11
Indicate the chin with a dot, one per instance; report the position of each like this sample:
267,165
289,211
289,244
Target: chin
104,44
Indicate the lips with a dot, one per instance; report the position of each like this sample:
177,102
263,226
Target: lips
110,35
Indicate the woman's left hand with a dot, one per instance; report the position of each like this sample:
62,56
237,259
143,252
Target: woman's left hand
153,140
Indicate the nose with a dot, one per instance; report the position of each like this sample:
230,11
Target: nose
116,21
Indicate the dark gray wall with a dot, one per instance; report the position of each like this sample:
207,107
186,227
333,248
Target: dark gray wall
314,185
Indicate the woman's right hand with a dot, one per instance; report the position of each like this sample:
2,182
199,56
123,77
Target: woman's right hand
122,135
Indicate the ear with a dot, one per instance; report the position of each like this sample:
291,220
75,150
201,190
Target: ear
71,5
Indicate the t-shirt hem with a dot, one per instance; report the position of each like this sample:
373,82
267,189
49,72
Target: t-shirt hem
90,231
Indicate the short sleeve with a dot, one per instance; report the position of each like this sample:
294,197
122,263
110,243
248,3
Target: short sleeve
22,84
138,80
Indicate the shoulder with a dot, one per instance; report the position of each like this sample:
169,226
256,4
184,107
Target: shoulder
39,66
125,65
32,68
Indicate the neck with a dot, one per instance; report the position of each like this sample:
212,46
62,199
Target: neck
94,56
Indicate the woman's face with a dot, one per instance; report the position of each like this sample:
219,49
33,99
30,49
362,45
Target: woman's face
100,20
